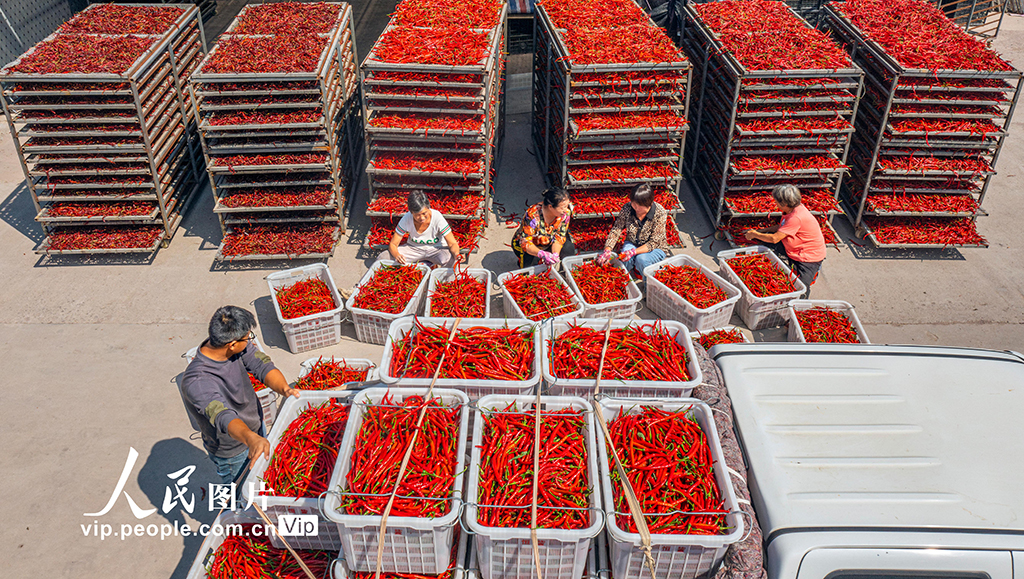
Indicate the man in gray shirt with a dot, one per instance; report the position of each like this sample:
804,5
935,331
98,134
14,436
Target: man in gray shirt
220,398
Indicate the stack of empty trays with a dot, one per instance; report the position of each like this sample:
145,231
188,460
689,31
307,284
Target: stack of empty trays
276,103
609,107
768,113
432,91
930,126
100,119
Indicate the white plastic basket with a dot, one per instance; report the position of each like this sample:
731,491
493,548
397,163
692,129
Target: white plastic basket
357,363
266,396
675,556
372,327
327,536
695,336
759,313
512,309
411,544
669,305
315,330
617,310
340,569
442,275
506,553
597,561
621,388
796,334
473,388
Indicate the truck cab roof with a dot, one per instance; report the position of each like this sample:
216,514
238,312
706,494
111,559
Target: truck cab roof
901,440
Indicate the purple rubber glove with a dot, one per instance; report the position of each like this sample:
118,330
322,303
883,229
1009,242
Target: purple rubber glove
547,257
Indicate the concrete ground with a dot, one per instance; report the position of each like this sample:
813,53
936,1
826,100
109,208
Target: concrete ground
91,349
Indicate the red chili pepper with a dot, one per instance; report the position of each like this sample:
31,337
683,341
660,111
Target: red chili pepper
413,45
288,18
539,296
823,324
691,284
105,237
303,460
304,298
506,477
251,555
641,352
70,53
278,240
390,289
380,445
761,275
284,197
474,353
715,337
117,19
463,296
330,373
600,284
282,117
925,230
668,462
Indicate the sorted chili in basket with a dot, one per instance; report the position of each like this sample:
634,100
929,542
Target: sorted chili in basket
824,324
303,460
380,445
540,296
506,469
330,373
304,298
600,284
646,352
691,284
390,289
761,275
715,337
461,296
251,555
668,461
474,353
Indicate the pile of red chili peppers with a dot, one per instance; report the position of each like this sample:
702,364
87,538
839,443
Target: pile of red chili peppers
288,18
390,289
474,353
252,554
104,237
691,284
304,298
69,54
823,324
328,374
263,54
925,230
539,296
715,337
506,469
381,443
117,19
462,296
600,284
640,352
303,460
668,461
761,276
284,197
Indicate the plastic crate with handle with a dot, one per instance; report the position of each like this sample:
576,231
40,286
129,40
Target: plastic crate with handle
327,533
760,312
447,274
617,310
506,553
411,544
391,374
796,334
372,326
669,305
558,386
315,330
675,556
512,309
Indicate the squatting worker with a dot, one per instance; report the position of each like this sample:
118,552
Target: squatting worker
643,220
430,237
220,398
797,237
543,235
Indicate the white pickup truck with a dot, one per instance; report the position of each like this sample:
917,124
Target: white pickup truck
882,461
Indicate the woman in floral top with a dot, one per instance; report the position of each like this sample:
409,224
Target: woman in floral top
543,235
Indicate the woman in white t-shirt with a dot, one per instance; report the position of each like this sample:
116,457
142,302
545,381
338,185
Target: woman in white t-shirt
430,237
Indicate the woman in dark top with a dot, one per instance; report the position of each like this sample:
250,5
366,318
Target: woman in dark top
543,235
643,221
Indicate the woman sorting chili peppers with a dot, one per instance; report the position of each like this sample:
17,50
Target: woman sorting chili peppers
797,237
643,220
426,229
543,235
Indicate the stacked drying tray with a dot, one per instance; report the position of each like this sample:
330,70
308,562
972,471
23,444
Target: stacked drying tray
276,104
769,113
930,127
103,130
433,95
609,110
